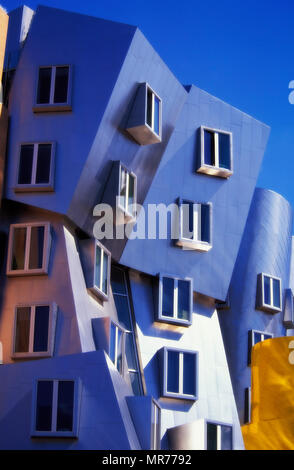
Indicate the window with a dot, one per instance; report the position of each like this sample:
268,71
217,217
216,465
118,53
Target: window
216,152
53,89
34,330
155,426
56,408
269,293
175,300
195,225
127,193
288,319
102,271
153,111
254,338
116,346
180,370
219,436
36,167
28,249
247,408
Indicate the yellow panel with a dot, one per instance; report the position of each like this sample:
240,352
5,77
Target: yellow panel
3,33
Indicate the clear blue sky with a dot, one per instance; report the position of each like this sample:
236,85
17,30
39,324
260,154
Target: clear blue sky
239,51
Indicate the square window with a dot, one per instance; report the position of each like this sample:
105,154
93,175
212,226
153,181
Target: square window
216,149
117,346
175,299
55,405
28,249
155,426
34,331
195,225
219,436
54,89
36,167
127,193
254,338
247,408
101,271
269,293
180,374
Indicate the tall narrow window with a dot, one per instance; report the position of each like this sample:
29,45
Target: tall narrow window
216,152
53,88
127,192
195,226
175,300
155,426
102,270
269,293
56,403
180,374
35,169
153,111
219,436
116,346
28,250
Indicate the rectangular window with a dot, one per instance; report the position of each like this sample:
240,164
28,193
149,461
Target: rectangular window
34,331
28,249
175,300
247,407
102,270
180,374
153,111
219,436
35,168
216,152
269,293
116,346
155,426
255,337
55,405
127,192
195,225
53,89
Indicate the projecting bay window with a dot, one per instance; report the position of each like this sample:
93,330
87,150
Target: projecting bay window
180,374
117,346
101,271
216,150
55,405
195,225
28,249
219,436
127,193
269,293
175,300
54,89
36,167
34,331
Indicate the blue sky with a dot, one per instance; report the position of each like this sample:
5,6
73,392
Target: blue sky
241,52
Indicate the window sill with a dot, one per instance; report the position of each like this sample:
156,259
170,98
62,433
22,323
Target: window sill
269,309
174,321
144,135
215,171
30,188
178,396
123,217
98,293
60,434
196,245
36,355
22,272
52,108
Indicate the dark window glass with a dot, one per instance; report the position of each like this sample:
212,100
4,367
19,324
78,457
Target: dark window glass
41,328
123,188
61,85
65,405
43,96
205,223
119,361
168,296
276,293
267,336
173,371
226,437
149,107
189,378
123,313
117,281
22,334
44,405
112,342
131,199
224,151
257,338
183,300
26,164
266,290
98,267
211,436
43,164
130,352
19,247
105,274
209,158
36,247
135,383
156,115
188,219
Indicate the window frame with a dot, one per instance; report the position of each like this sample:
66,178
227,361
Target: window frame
215,170
51,331
98,291
194,243
51,106
180,394
33,186
154,94
76,408
128,216
123,331
252,343
269,307
46,249
155,438
219,424
174,320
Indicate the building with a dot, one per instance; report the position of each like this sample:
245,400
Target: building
129,342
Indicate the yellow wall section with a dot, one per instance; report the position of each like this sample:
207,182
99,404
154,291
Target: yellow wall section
3,110
3,33
272,396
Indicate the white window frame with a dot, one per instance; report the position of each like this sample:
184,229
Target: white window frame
51,331
155,425
252,342
154,94
117,327
271,306
33,186
98,289
129,215
174,319
195,243
180,394
46,249
51,106
215,170
76,406
218,432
